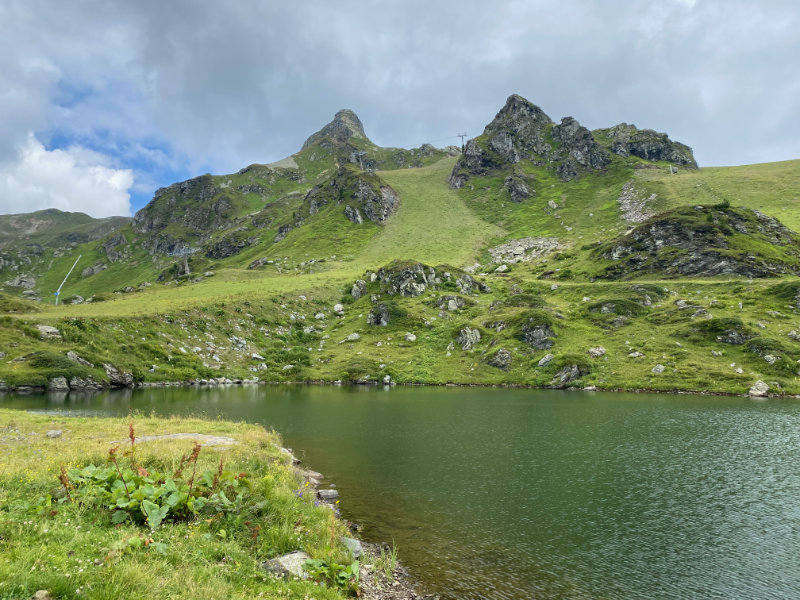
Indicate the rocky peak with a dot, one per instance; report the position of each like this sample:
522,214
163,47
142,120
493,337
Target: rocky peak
578,146
345,125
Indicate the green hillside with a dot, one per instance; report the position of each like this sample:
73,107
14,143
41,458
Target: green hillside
546,255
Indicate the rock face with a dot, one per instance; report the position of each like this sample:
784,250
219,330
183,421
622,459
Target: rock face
580,148
648,144
699,241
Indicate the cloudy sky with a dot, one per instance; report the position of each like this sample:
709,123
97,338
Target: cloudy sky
102,102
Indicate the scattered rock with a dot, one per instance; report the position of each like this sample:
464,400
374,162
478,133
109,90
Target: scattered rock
468,337
633,203
524,249
759,389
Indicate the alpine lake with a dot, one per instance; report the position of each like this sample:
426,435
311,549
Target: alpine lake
498,493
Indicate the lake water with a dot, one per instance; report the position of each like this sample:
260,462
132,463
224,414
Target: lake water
539,494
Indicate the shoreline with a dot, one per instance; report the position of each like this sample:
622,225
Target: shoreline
99,387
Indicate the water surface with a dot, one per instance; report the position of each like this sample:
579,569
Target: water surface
539,494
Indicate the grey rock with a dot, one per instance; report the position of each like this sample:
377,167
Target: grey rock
501,269
76,300
635,355
359,289
42,595
733,336
379,316
283,231
634,204
54,433
468,337
501,360
94,269
118,378
596,352
518,188
759,389
354,546
84,383
338,308
259,262
546,360
648,144
538,336
328,495
567,375
658,369
352,337
353,214
524,249
450,302
286,565
46,332
58,384
410,337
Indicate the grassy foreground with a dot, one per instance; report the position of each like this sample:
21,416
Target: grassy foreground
74,550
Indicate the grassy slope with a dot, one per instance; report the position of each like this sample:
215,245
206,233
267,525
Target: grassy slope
434,226
69,549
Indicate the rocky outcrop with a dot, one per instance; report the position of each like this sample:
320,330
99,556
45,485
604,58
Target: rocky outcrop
94,269
411,279
468,337
569,374
700,241
648,144
500,360
519,187
115,248
578,148
538,336
229,245
364,195
118,378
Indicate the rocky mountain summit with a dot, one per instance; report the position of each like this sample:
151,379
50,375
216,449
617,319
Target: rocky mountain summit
521,133
345,126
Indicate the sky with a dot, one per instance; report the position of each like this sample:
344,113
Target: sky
102,102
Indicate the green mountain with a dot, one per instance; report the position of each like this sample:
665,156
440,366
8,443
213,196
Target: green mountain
546,254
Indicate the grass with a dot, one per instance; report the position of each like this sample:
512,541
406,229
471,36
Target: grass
74,551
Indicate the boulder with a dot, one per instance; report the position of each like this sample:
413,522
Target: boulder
354,546
450,302
410,337
46,332
328,495
58,384
596,352
659,369
359,289
286,565
84,383
546,360
759,389
74,357
118,378
567,375
338,309
54,433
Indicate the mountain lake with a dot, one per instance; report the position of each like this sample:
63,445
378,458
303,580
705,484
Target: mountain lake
497,493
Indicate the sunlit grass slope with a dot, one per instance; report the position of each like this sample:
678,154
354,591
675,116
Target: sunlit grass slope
433,225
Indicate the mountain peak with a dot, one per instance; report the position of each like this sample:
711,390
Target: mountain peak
345,125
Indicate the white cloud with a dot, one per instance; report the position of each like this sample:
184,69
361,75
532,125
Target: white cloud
74,179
